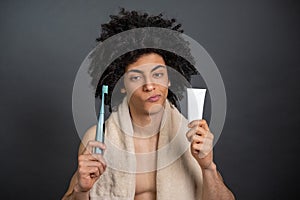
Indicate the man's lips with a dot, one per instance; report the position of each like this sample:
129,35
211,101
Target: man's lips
154,98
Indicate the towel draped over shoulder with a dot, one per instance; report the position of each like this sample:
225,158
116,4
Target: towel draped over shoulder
178,175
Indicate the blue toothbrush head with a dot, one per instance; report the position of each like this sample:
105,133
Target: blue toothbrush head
104,89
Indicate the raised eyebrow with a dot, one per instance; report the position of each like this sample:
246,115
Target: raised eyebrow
157,67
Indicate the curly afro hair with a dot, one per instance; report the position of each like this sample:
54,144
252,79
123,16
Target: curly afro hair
128,20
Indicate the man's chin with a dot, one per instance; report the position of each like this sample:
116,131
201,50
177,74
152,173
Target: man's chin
155,109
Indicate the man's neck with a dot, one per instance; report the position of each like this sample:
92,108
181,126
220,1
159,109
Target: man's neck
145,126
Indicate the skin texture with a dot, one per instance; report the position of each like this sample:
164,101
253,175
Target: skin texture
146,84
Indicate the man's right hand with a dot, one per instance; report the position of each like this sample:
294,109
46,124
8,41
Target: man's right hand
90,166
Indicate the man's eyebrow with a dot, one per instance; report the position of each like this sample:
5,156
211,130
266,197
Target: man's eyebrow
158,66
141,72
136,70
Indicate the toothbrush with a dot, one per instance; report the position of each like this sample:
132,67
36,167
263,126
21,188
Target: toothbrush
99,131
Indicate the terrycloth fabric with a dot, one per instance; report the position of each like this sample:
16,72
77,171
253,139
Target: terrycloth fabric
178,174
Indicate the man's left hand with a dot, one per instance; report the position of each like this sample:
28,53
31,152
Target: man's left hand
201,142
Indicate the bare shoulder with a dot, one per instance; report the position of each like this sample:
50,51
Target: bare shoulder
90,134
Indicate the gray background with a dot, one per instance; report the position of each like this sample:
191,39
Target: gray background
255,44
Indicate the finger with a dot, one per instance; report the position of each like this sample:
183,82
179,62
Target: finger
101,169
87,157
86,164
210,135
100,158
85,172
201,131
93,171
202,143
195,148
201,149
194,123
201,123
92,144
204,124
99,172
196,130
91,160
191,133
95,175
197,138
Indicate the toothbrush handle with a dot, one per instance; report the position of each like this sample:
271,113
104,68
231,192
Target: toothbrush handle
99,133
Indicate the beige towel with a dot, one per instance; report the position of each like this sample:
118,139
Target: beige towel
178,177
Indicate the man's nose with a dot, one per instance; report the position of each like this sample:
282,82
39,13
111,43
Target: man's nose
149,85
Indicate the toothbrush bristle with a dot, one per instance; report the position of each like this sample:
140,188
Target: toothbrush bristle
105,89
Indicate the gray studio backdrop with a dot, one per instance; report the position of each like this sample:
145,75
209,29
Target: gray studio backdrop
255,45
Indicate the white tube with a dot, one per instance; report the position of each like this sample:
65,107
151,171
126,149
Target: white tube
195,105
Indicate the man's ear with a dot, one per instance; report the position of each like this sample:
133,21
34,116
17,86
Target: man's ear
123,90
169,83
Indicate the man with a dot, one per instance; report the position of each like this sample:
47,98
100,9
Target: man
146,123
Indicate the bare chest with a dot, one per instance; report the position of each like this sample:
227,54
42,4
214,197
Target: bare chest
146,166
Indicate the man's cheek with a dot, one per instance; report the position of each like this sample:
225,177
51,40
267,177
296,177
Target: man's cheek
132,88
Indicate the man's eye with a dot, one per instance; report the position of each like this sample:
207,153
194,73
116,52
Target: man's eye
158,75
135,78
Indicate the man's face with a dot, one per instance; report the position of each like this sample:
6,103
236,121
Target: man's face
146,83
